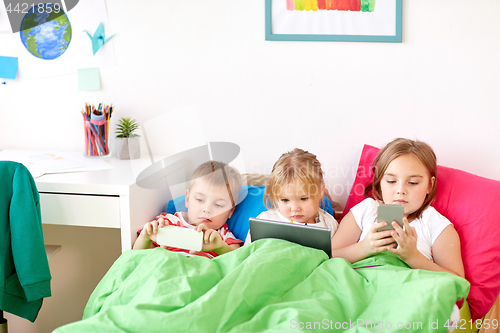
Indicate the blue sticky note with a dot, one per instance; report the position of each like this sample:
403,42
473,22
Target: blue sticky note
98,39
8,67
88,79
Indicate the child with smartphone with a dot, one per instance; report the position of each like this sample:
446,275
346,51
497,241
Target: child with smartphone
404,174
210,202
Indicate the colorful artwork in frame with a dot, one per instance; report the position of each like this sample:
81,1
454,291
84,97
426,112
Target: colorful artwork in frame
334,20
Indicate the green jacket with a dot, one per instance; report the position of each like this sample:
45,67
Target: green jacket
24,269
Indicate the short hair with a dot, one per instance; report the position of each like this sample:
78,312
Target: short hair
217,173
295,166
394,149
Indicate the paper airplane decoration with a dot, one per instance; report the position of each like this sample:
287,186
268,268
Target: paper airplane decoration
98,39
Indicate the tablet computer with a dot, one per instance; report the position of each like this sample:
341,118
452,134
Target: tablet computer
306,235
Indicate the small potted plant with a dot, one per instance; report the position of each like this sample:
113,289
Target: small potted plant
127,143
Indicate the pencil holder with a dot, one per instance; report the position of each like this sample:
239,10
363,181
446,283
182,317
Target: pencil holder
96,130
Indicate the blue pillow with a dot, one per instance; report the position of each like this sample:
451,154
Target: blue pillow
251,206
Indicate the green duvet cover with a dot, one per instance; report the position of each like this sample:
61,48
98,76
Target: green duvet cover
268,286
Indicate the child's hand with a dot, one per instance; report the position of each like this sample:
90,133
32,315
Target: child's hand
212,240
148,234
406,239
377,241
150,229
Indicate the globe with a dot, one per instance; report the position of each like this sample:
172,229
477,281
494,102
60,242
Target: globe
46,31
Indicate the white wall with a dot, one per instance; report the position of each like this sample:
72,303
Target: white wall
440,85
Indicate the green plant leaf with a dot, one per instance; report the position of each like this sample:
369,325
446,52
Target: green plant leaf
126,128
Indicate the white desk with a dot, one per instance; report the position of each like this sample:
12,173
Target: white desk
107,198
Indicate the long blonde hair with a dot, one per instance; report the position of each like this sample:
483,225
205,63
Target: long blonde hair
398,147
296,166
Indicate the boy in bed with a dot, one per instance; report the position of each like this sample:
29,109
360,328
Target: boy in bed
210,201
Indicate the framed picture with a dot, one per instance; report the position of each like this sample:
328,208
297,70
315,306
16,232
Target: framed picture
335,20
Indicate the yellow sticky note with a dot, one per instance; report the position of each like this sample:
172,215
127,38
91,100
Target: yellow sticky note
89,79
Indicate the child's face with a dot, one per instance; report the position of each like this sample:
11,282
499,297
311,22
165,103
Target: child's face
210,205
296,203
406,182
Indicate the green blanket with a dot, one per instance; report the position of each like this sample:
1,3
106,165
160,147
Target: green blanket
267,286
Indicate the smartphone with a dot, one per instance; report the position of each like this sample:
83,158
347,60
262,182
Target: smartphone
179,237
389,213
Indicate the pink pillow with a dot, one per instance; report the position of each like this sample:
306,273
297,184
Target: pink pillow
471,203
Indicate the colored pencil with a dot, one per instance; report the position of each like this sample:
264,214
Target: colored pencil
96,129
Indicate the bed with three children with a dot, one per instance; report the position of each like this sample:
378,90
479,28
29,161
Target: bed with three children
273,285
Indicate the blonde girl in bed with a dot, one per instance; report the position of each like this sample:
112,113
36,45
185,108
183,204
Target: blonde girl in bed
295,190
404,174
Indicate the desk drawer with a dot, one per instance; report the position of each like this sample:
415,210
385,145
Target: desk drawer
80,210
